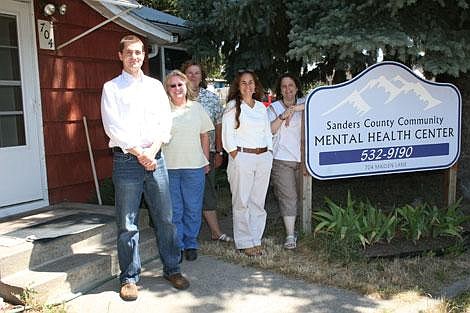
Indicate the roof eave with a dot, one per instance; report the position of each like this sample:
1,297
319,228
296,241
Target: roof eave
132,22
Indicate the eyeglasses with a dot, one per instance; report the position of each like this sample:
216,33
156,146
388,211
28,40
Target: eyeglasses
176,85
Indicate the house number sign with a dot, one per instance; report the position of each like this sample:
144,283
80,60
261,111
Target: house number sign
46,35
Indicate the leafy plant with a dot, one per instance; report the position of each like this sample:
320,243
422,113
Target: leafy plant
375,225
414,221
447,222
357,220
366,224
341,221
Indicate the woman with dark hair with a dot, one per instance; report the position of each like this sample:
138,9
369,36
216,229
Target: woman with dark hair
286,122
210,103
247,138
186,156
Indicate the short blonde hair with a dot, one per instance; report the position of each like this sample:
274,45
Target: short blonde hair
189,93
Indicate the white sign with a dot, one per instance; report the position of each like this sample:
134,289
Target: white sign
46,35
385,120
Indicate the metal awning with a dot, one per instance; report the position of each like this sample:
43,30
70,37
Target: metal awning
118,11
123,3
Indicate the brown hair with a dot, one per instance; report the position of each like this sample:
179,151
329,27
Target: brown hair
296,82
127,40
234,92
189,93
189,63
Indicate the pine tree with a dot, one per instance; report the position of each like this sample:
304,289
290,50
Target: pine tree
245,34
434,34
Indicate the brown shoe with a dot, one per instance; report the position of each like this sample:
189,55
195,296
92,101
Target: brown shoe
253,251
128,292
178,281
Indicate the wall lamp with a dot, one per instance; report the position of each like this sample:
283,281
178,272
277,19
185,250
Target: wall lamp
50,9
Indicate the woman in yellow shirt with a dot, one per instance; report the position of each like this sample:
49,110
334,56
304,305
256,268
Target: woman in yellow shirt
186,156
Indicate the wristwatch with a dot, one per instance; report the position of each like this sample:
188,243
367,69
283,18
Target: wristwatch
280,117
220,152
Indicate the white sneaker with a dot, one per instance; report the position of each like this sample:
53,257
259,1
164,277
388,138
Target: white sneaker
291,242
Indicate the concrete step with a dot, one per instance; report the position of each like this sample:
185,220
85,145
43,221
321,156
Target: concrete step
57,269
24,255
30,255
62,279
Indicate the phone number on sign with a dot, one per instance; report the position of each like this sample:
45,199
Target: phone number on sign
386,153
382,153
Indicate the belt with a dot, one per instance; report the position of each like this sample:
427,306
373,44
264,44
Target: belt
252,150
119,150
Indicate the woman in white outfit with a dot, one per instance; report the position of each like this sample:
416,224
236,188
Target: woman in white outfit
286,121
247,138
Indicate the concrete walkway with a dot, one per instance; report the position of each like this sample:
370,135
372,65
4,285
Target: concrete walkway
217,286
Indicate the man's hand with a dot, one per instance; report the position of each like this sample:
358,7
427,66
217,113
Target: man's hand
152,167
145,160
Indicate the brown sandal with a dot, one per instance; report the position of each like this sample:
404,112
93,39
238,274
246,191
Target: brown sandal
251,252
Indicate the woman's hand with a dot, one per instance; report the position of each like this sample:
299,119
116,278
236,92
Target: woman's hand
298,107
288,114
233,154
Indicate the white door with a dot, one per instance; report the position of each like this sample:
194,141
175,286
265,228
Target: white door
22,178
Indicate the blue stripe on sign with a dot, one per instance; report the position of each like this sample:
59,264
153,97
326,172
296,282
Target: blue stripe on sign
383,153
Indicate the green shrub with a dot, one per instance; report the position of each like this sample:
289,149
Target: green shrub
364,223
414,221
359,221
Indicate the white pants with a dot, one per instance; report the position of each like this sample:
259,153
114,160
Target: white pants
248,175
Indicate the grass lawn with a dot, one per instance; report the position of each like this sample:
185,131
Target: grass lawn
320,260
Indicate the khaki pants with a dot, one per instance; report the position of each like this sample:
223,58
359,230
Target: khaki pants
285,178
248,175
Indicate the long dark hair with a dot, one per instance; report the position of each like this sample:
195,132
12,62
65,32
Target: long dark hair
296,82
234,93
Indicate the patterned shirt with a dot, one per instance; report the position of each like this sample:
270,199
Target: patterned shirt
210,103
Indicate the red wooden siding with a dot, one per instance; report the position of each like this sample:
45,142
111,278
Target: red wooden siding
71,80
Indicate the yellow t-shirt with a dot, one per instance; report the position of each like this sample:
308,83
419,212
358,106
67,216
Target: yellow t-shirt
184,149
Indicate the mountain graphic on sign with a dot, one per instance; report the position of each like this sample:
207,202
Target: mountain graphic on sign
356,100
419,91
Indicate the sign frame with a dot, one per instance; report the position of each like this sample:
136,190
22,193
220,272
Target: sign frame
344,168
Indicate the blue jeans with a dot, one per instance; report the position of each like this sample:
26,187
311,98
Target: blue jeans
131,180
187,192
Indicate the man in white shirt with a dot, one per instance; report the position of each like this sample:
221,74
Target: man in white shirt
136,117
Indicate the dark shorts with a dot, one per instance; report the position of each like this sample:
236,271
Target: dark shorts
210,194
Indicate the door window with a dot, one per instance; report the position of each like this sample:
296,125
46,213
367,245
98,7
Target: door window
12,127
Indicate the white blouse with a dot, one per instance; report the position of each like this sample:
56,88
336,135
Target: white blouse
254,130
286,141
